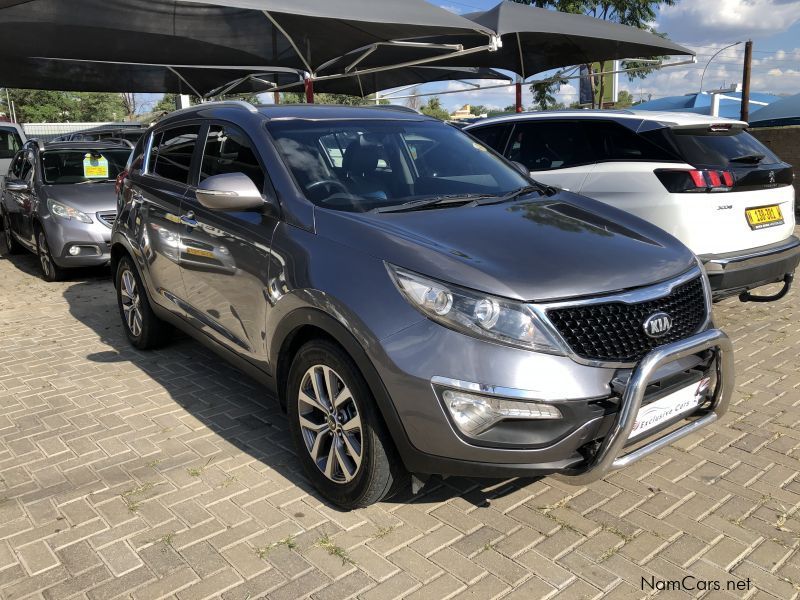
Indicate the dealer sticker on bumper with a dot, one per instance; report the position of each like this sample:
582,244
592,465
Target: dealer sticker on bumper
667,408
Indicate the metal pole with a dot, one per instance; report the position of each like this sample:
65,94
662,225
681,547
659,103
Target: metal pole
518,90
748,64
309,83
717,53
276,97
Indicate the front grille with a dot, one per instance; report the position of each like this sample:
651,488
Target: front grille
614,331
107,218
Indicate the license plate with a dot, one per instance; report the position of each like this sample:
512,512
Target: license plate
198,252
667,408
764,216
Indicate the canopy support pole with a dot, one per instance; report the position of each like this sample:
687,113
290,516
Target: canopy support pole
518,94
309,85
291,41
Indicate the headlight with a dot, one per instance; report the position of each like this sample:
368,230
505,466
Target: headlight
476,314
67,212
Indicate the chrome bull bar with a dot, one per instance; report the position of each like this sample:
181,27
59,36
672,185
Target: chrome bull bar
607,458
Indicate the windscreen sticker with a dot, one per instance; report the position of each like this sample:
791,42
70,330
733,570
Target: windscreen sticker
95,167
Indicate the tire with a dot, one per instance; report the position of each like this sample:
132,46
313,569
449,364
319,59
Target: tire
49,269
12,245
335,434
143,328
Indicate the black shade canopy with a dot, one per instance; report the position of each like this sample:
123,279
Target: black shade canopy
364,85
88,76
535,40
297,34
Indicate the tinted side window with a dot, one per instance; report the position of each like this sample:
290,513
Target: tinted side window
26,173
614,142
9,143
546,145
171,157
493,136
228,150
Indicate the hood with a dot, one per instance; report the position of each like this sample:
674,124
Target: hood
540,248
86,197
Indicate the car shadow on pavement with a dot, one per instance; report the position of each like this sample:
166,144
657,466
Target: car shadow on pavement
229,403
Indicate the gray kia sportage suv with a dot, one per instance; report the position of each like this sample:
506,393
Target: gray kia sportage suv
416,302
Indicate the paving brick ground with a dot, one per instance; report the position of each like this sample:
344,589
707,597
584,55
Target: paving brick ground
152,475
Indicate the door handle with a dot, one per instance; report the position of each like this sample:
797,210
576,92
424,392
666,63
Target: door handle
188,219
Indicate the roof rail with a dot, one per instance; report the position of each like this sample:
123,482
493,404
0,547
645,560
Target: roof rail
221,103
393,107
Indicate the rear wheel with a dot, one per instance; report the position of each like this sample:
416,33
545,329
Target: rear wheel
143,328
339,435
50,270
12,245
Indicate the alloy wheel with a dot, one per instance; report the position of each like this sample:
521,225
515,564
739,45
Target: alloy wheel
7,231
131,303
330,424
44,256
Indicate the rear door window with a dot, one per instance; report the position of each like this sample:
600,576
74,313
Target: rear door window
494,136
546,145
171,156
613,142
10,143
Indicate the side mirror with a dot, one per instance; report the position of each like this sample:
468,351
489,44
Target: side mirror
17,185
229,191
521,168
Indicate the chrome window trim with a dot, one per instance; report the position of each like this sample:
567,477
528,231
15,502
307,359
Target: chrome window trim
653,292
148,148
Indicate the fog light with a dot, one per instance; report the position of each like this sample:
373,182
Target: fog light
74,251
474,414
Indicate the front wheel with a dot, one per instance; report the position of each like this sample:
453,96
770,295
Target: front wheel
339,435
50,270
143,328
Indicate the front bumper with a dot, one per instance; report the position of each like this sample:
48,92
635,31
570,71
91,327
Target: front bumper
91,239
586,395
737,272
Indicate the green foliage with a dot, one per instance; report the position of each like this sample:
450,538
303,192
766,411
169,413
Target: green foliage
169,102
434,108
624,100
38,106
543,92
295,98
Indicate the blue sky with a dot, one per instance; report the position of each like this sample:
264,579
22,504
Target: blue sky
702,25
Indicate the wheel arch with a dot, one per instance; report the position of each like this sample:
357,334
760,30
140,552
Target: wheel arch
305,324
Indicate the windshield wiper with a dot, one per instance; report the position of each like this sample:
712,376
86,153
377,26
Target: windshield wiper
513,195
450,199
748,158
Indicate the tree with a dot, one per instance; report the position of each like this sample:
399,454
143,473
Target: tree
131,103
635,13
624,100
295,98
40,106
479,109
543,92
434,108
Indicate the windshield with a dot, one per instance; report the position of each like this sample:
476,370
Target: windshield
361,165
81,166
9,143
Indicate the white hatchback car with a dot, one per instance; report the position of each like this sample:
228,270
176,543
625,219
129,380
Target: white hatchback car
703,179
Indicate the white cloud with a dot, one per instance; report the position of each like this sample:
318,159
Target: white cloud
705,20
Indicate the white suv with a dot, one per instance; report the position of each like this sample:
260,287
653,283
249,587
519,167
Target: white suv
703,179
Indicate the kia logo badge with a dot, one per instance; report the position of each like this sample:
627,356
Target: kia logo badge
658,325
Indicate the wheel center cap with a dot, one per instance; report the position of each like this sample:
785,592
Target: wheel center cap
331,423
